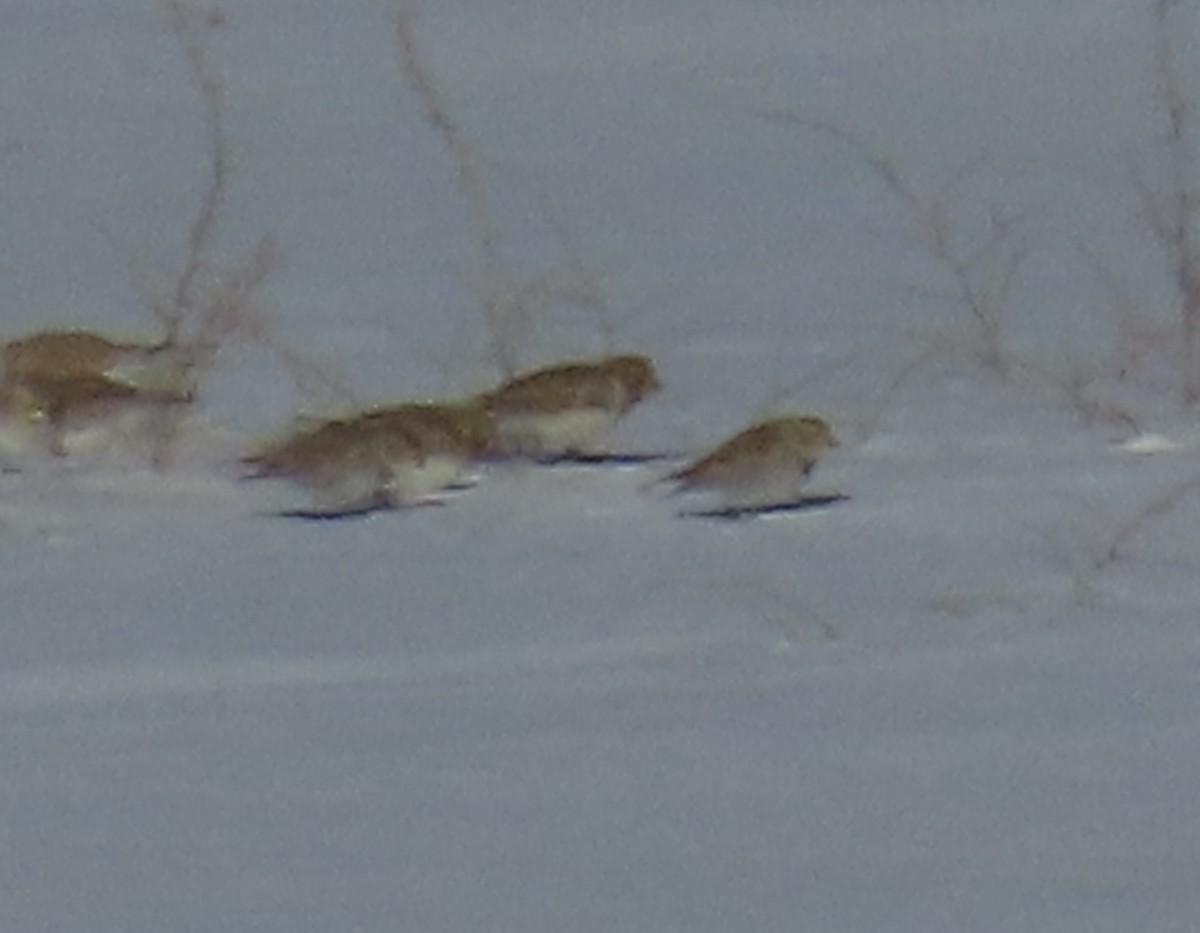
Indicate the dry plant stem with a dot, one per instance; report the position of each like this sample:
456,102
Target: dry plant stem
226,312
817,374
312,380
216,305
1174,211
205,307
980,280
1156,508
1076,386
203,229
872,416
581,286
786,613
573,283
1138,337
504,317
1080,563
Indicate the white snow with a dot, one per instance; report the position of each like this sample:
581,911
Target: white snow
965,699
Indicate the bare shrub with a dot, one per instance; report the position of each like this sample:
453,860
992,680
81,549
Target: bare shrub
513,305
1082,387
1170,202
1095,544
200,308
1094,389
204,306
1112,545
571,282
976,277
207,304
505,318
1159,352
791,617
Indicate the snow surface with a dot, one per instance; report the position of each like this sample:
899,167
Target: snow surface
552,704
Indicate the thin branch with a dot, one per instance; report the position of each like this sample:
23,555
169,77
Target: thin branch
504,318
1156,508
1173,210
187,26
981,279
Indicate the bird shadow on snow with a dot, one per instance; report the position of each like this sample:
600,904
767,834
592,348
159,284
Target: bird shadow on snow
741,513
737,513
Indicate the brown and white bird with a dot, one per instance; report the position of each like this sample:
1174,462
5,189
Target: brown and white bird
383,457
767,464
568,408
70,381
63,355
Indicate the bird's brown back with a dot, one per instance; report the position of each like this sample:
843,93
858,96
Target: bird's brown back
786,442
54,355
614,384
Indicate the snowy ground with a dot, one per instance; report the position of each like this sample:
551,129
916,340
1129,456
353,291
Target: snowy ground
553,704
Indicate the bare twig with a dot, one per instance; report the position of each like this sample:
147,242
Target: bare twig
782,395
505,318
791,617
187,26
1146,514
1077,384
1138,336
1172,208
512,303
204,307
1090,550
980,279
573,282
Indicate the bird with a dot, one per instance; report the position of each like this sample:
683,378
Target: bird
567,409
70,380
379,458
458,428
64,355
765,465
